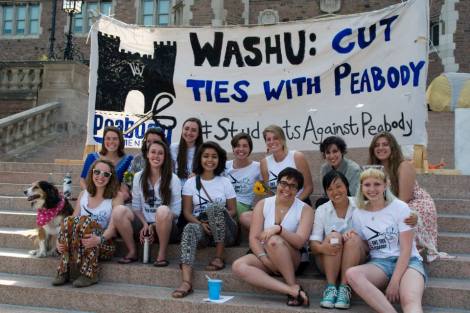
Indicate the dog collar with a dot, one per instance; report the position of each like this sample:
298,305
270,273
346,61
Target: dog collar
45,215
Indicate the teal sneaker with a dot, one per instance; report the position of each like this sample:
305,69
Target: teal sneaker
329,297
343,301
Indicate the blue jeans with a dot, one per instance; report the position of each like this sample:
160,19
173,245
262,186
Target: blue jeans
387,265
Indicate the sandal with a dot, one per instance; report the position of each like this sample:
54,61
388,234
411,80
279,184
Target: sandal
299,300
161,263
214,265
127,260
181,293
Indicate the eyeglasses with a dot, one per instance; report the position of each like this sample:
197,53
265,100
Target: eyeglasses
97,172
285,184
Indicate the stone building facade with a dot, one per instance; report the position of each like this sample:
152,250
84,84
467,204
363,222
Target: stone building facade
25,25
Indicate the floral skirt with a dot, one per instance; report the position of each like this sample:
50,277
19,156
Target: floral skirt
76,258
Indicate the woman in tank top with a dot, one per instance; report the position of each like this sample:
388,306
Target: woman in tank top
85,237
280,228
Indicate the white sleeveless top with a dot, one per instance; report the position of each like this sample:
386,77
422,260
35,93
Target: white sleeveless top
101,214
290,221
274,168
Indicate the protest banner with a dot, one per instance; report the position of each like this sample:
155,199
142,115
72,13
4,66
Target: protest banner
352,76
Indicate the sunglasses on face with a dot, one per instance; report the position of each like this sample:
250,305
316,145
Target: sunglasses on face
97,172
285,184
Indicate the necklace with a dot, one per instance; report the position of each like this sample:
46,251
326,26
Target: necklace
284,210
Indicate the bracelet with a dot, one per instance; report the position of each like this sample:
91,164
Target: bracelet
261,255
280,229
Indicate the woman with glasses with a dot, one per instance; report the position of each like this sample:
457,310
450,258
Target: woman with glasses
395,264
85,237
156,205
279,230
209,206
183,153
384,150
112,149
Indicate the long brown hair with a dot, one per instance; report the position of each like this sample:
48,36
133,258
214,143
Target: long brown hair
394,161
113,185
181,158
165,175
120,150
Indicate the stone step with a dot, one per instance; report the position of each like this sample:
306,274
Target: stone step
450,268
29,177
137,298
9,308
39,167
446,186
454,223
17,190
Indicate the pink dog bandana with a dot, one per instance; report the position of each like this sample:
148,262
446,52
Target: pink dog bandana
44,215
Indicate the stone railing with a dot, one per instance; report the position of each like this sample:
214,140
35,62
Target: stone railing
20,76
21,131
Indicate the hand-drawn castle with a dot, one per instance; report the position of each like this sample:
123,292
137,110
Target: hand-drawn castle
120,72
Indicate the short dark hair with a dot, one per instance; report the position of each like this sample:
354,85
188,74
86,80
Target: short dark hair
222,154
331,176
292,173
333,140
239,137
157,130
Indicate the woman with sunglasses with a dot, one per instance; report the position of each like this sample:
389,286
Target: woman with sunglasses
156,204
112,149
183,153
395,264
279,230
384,150
209,206
85,237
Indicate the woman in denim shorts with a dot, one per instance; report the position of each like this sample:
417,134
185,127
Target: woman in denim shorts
395,263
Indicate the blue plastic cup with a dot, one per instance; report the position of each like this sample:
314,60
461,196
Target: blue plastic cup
215,286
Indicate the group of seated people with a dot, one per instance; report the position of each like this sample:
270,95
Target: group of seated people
361,235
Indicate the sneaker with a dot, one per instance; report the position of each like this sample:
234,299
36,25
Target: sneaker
84,281
60,279
343,301
329,297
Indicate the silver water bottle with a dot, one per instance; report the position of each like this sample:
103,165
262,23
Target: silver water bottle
145,258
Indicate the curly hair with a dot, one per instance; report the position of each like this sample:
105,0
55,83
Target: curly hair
113,185
333,140
221,153
394,161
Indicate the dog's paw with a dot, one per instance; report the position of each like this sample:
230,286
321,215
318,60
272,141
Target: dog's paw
38,253
33,252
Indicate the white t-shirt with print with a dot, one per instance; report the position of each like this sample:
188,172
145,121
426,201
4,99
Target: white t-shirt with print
243,180
149,208
326,220
219,189
382,229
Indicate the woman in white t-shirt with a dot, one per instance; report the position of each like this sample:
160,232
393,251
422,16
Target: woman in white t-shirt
243,173
279,230
209,205
333,253
395,262
183,153
156,200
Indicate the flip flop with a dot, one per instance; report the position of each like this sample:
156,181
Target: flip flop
126,260
215,266
161,263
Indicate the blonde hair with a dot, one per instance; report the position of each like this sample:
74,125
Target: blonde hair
278,132
361,200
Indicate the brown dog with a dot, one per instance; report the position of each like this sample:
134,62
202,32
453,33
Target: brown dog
51,210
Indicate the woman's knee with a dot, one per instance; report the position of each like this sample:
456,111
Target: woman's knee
239,267
163,214
353,274
121,212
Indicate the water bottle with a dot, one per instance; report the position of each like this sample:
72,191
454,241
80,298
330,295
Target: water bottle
145,258
67,186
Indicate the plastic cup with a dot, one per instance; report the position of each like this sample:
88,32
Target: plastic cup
215,286
334,241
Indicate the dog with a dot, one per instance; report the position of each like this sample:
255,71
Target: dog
51,209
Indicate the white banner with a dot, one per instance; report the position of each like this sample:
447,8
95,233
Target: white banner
351,76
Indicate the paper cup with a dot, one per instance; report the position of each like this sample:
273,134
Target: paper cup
215,286
334,241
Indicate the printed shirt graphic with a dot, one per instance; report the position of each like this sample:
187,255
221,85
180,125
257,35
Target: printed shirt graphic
243,180
149,207
219,189
101,214
382,229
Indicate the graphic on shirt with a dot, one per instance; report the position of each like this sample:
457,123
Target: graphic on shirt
100,218
201,206
382,240
152,202
272,183
240,186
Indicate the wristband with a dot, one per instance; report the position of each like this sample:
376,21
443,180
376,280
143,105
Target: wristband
262,254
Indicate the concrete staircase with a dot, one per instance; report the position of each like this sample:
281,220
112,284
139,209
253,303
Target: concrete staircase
25,281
